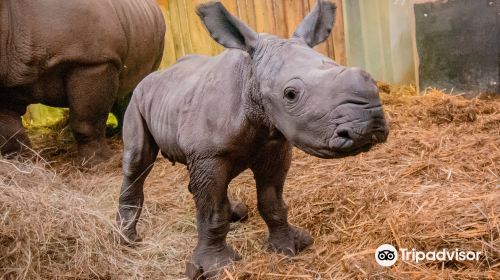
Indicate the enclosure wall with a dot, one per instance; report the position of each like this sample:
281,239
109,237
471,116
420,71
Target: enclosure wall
186,34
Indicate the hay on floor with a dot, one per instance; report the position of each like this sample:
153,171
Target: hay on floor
435,184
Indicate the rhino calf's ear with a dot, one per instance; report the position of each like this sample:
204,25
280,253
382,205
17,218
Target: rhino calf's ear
226,29
317,26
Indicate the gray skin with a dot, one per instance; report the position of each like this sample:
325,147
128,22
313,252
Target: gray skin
245,108
81,54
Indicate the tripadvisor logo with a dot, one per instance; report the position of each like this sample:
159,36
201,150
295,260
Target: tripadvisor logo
387,255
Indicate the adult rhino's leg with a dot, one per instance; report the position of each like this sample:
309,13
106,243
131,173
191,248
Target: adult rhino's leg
119,108
270,171
91,92
209,179
13,138
139,154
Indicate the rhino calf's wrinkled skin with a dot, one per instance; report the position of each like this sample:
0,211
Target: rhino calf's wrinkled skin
246,108
81,54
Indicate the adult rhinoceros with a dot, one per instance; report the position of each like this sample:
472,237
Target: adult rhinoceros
81,54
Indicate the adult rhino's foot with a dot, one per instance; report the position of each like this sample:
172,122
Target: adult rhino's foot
291,241
13,138
239,211
14,146
209,261
93,153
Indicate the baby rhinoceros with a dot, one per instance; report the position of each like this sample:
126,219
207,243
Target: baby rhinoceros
246,108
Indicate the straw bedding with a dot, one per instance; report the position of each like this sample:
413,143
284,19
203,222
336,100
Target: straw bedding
435,184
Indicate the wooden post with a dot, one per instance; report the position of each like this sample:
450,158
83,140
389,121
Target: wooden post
339,35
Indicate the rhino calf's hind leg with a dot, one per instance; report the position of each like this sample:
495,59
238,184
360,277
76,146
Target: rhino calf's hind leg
91,92
13,138
270,171
139,155
209,179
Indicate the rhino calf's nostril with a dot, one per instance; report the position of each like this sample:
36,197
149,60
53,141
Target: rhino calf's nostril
343,132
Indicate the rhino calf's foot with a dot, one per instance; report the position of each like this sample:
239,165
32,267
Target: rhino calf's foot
239,211
208,261
128,232
291,241
130,239
129,211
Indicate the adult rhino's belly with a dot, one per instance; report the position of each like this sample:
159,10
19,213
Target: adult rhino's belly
48,89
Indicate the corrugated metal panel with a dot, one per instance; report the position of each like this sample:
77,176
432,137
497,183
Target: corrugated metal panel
459,46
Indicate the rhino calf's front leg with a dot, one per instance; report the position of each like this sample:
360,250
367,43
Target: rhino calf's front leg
209,179
270,170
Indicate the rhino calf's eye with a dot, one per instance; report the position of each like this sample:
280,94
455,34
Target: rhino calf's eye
291,94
